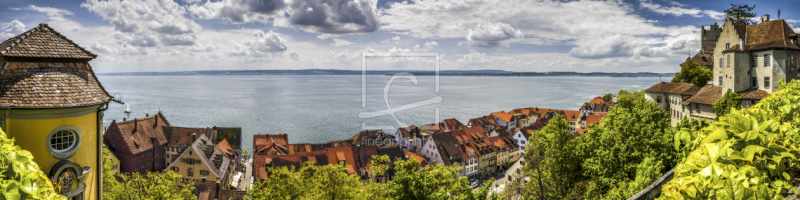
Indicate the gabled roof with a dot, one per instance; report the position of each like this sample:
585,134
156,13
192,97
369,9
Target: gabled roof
182,136
734,48
446,147
664,87
509,139
503,115
707,95
685,89
704,58
594,118
137,132
226,148
262,162
367,136
43,42
598,100
754,94
362,156
453,124
769,35
262,144
412,155
209,155
343,154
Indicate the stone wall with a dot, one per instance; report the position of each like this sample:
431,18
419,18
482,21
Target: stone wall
653,190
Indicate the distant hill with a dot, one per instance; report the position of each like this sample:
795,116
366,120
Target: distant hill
386,72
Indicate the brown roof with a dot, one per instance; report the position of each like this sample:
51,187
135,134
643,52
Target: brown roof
262,162
770,34
231,194
43,42
664,87
182,136
263,144
137,132
49,85
741,29
205,189
705,58
735,48
363,155
707,95
684,89
344,154
412,155
754,94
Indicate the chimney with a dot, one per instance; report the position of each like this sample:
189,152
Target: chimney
135,125
762,19
123,119
766,17
147,114
156,118
194,137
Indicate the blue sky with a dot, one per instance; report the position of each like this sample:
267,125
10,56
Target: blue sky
514,35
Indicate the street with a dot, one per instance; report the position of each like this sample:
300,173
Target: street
501,177
245,181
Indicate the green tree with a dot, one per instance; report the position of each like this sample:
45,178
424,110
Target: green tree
551,161
731,100
143,187
308,182
693,73
607,97
741,14
749,153
430,182
632,95
685,133
20,177
633,131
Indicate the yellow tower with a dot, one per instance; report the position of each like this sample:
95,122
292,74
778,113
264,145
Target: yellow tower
52,104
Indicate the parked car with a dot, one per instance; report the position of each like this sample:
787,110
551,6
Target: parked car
474,184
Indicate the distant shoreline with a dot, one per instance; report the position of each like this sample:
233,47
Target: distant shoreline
389,73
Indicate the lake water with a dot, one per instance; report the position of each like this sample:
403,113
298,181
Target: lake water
316,109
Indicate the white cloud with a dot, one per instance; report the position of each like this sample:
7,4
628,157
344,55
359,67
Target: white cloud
491,35
629,46
395,39
678,10
239,11
262,44
55,14
426,47
340,42
147,23
12,29
294,55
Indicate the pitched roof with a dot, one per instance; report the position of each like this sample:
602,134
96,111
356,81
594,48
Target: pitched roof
594,118
664,87
734,48
368,136
49,85
446,146
571,115
205,189
509,139
209,155
262,162
754,94
343,154
503,115
263,144
412,155
598,100
137,132
705,58
182,136
770,34
707,95
362,156
231,194
498,143
686,89
43,42
226,148
453,124
741,29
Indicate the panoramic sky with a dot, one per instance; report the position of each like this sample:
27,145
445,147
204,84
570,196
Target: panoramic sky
513,35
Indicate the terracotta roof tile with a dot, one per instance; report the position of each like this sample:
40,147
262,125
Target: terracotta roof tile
684,89
226,148
417,157
705,58
707,95
503,115
182,136
43,42
598,100
663,87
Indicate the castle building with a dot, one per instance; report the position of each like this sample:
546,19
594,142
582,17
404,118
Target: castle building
52,104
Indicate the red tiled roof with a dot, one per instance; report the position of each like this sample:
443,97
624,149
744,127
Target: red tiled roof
594,118
417,157
43,42
226,148
137,132
263,143
663,87
503,115
262,162
598,100
346,154
707,95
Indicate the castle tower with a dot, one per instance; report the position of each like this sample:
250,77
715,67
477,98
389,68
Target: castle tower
709,37
52,104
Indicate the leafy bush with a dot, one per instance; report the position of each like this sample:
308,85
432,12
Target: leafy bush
693,73
20,177
632,95
731,100
748,154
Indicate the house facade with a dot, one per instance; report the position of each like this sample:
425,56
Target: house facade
202,161
140,143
